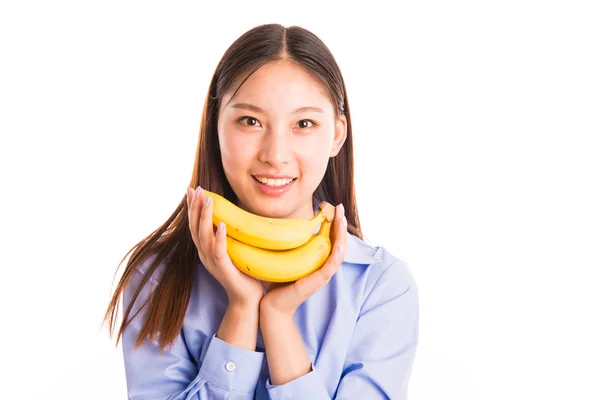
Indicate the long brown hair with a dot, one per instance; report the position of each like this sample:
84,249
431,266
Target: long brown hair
172,243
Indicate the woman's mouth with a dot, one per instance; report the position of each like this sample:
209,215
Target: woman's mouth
274,182
273,186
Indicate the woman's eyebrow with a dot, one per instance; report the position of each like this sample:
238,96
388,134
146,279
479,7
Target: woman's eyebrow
260,110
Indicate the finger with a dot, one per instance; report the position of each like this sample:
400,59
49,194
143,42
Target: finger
340,226
332,264
205,226
189,197
307,286
220,250
315,281
193,215
339,246
341,232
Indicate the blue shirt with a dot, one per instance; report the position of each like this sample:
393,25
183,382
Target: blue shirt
360,332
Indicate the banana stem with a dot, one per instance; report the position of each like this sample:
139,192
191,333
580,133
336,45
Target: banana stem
328,210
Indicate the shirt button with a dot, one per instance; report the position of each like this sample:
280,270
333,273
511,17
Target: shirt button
230,366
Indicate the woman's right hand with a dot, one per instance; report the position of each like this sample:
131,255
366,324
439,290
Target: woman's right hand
242,290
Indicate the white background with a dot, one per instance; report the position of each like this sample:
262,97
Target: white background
477,129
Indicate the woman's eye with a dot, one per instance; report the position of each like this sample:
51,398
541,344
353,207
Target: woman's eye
253,122
306,123
249,121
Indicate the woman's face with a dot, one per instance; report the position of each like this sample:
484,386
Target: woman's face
276,137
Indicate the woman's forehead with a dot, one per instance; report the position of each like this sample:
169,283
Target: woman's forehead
276,86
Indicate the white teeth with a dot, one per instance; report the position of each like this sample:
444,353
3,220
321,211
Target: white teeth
274,182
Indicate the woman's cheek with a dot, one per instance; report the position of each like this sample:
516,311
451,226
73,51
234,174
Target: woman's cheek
316,150
236,147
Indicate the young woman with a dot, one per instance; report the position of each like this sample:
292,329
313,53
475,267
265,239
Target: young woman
276,140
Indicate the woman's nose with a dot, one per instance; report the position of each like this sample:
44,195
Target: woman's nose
277,147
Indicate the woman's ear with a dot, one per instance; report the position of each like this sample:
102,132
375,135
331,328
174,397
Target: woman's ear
340,135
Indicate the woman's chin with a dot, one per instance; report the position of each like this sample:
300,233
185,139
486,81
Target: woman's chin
273,213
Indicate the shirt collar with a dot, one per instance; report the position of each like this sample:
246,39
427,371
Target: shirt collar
359,252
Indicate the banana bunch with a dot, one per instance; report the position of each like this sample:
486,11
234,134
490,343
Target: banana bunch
274,249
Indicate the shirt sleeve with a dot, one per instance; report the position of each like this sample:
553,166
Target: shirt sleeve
382,348
308,386
226,372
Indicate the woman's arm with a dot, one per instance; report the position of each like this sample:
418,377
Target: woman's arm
286,355
381,353
239,326
291,372
229,370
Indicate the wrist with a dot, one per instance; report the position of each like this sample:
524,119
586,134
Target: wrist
244,306
268,313
285,352
239,326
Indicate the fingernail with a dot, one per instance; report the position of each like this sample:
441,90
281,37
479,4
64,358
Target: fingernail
198,190
189,192
206,201
345,221
220,227
339,250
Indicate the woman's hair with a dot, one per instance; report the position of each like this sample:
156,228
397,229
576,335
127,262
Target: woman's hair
172,243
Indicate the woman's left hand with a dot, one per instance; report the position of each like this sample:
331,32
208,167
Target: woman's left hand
285,298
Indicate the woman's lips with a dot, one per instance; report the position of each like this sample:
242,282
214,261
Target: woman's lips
273,190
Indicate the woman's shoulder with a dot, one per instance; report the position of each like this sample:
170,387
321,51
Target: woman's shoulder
144,268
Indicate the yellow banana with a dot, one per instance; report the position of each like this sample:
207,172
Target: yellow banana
265,232
281,266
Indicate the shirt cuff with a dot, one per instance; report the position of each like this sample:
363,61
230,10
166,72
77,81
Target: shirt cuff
308,386
230,367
